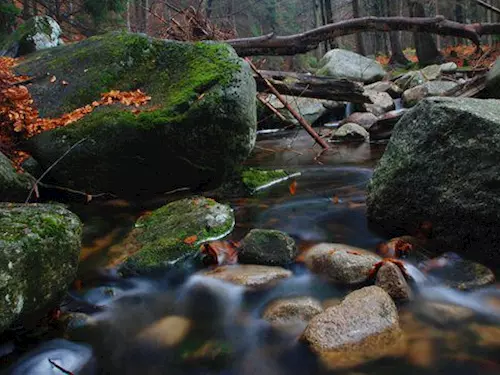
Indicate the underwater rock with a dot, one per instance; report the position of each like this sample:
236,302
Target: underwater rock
251,276
167,332
267,247
292,310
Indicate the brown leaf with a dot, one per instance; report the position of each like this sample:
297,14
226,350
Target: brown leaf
190,240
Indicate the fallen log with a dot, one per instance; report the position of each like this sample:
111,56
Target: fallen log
271,44
309,86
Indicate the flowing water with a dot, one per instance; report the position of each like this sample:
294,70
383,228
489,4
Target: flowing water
139,325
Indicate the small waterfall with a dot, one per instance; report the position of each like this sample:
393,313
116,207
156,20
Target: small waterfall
349,109
398,103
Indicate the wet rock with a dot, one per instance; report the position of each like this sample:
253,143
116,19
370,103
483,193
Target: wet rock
36,34
340,64
391,279
448,68
410,79
167,332
365,119
431,148
252,276
341,263
382,102
364,327
458,273
433,88
382,129
431,72
14,187
310,109
442,315
39,250
267,247
350,133
292,310
183,140
255,179
174,231
74,325
386,86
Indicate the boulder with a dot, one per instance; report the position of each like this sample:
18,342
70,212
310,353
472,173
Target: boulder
173,232
250,276
199,125
365,119
382,102
431,72
267,247
410,79
14,187
350,133
341,263
364,327
440,142
292,310
382,129
339,63
39,251
310,109
36,34
386,86
433,88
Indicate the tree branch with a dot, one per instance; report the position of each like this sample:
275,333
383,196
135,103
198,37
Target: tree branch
487,6
271,44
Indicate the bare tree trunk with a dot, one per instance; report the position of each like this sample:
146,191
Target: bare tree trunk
359,38
398,58
129,29
425,45
26,9
318,21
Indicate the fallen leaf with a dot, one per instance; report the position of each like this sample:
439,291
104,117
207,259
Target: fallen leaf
65,83
335,199
53,79
190,240
293,188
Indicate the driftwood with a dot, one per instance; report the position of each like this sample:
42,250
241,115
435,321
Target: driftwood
294,113
309,86
271,44
470,88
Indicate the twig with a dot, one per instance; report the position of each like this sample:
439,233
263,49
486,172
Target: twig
271,108
299,118
50,168
88,196
62,369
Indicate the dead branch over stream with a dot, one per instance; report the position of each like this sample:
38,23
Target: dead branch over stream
309,86
271,44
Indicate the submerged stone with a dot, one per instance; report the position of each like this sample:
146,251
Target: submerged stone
251,276
39,250
292,310
441,167
175,231
198,127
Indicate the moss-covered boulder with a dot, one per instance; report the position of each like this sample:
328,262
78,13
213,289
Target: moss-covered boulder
14,187
39,250
441,166
199,124
36,34
267,247
175,231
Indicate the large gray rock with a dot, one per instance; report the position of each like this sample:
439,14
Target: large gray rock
309,108
339,63
432,88
267,247
198,127
249,275
39,250
350,132
173,232
441,166
14,187
341,263
364,327
364,119
36,34
382,102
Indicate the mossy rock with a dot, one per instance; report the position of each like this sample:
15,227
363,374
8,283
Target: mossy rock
199,125
267,247
176,231
36,34
39,249
14,187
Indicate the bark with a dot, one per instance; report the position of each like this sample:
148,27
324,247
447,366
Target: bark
359,37
296,84
271,44
427,52
398,58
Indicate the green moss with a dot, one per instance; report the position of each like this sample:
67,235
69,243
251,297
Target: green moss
255,178
162,234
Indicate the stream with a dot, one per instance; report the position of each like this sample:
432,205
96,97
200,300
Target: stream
227,335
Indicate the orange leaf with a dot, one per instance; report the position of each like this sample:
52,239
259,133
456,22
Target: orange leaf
293,188
190,240
335,199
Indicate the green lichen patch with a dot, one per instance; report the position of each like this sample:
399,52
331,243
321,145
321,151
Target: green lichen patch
39,250
176,230
256,179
